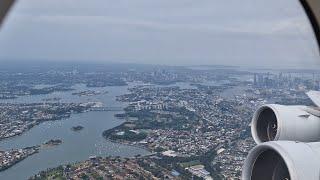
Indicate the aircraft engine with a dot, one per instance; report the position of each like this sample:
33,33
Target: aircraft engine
283,160
278,122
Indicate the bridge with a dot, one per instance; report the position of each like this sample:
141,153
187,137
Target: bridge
107,109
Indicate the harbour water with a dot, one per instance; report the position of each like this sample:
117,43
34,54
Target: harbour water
76,146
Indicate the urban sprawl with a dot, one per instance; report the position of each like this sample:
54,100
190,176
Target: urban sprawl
195,122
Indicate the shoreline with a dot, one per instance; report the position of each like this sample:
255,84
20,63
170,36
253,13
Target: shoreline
132,145
63,117
106,133
37,150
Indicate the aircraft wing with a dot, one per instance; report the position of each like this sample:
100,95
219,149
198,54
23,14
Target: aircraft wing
5,6
315,97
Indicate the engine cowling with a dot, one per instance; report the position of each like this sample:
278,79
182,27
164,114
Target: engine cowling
278,122
283,160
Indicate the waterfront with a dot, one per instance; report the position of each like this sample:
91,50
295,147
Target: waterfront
76,146
206,119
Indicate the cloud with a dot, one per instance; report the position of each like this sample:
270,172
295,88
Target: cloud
282,27
208,16
160,31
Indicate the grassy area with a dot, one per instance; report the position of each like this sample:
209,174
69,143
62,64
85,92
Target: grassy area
53,174
190,163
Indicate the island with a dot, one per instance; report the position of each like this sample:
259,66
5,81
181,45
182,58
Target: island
48,90
52,142
77,128
51,99
89,93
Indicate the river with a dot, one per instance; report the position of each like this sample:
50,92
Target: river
76,146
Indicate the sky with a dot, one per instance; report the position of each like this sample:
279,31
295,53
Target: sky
273,33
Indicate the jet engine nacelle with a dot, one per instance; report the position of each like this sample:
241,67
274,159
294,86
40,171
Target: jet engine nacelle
278,122
283,160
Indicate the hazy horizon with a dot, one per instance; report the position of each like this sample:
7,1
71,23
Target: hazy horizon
16,65
158,89
180,33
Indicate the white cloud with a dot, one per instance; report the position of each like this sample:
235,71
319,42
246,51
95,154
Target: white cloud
284,27
167,31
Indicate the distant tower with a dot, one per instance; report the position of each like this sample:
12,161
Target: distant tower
316,85
280,79
255,79
260,80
